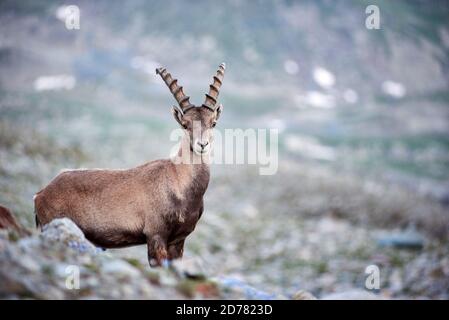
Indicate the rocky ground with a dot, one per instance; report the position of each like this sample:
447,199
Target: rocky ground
310,229
244,249
47,265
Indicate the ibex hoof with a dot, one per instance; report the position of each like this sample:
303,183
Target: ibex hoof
153,263
164,263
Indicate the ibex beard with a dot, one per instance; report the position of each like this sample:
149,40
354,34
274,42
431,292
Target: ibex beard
158,203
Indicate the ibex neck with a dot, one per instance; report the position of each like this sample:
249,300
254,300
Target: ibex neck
193,178
194,170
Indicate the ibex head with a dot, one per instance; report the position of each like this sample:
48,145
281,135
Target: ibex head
196,120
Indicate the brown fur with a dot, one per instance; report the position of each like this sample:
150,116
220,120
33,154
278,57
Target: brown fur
158,203
7,221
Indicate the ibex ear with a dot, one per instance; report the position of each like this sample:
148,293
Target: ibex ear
179,116
218,111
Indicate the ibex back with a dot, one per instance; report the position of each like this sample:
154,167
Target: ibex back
157,203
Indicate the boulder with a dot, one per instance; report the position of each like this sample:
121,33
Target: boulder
65,231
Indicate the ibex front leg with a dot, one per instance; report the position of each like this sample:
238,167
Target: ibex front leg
157,250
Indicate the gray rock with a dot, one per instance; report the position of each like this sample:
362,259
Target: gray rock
355,294
303,295
242,290
119,268
408,239
67,232
189,267
62,230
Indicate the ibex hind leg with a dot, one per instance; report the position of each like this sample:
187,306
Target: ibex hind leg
176,250
36,219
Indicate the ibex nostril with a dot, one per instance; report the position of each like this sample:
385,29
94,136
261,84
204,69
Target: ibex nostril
203,144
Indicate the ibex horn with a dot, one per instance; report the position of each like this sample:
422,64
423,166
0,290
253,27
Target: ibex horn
214,88
176,90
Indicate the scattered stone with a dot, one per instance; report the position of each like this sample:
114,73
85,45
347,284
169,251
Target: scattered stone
245,291
119,268
355,294
42,267
189,267
303,295
409,239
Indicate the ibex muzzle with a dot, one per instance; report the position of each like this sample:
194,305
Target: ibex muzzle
157,203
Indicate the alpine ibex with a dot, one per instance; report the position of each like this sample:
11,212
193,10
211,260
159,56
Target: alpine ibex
157,203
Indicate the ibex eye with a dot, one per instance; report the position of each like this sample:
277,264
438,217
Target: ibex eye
214,124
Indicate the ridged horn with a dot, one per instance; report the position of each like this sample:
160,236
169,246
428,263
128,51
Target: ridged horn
214,88
176,90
